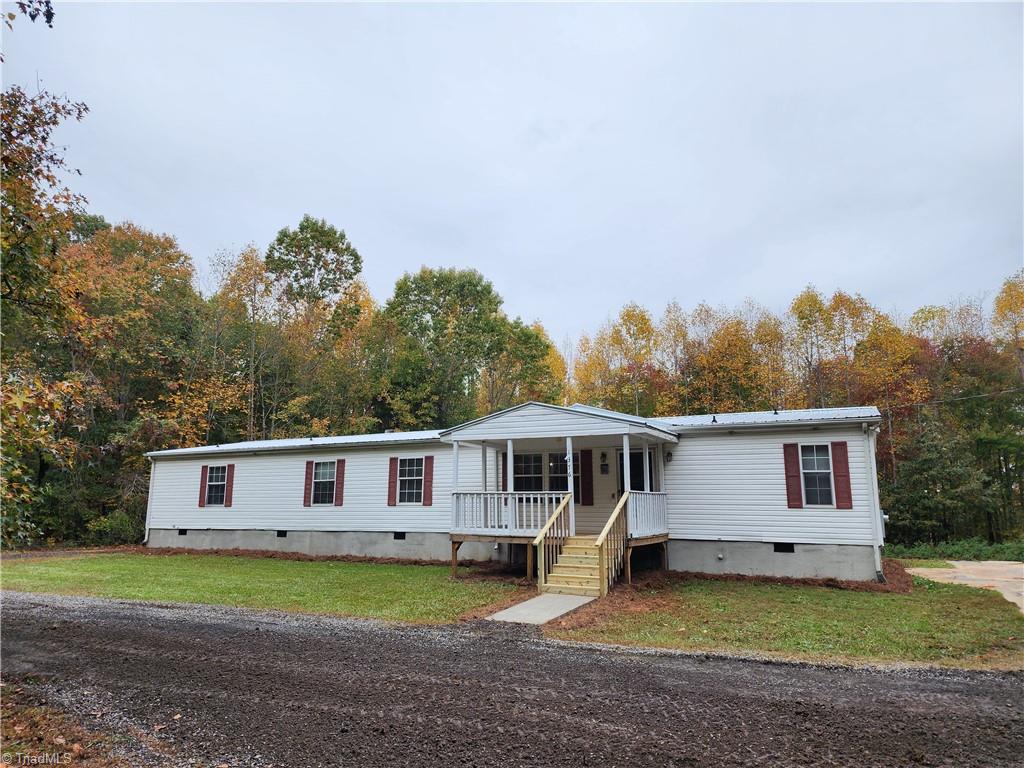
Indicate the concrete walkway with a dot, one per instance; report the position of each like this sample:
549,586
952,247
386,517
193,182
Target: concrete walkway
541,609
1006,577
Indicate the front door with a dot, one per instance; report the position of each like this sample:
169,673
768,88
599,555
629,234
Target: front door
636,471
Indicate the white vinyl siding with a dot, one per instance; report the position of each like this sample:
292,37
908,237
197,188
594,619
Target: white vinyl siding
268,492
733,487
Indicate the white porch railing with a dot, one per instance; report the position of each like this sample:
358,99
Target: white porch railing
502,513
648,514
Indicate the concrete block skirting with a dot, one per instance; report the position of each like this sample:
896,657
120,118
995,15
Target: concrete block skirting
415,546
848,562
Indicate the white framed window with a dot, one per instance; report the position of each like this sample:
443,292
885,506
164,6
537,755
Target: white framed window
216,485
529,471
410,481
323,482
816,471
558,473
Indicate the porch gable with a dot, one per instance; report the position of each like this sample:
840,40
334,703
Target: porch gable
542,420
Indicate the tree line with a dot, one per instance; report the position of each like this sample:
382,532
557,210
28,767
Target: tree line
110,351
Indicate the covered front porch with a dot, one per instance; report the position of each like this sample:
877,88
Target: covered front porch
553,477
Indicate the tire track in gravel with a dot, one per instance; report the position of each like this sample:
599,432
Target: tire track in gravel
268,688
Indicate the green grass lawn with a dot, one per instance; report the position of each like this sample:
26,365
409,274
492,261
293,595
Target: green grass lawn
916,562
413,593
936,623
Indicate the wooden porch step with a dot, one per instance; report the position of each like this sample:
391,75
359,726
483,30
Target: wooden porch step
562,590
580,549
573,580
584,540
578,559
583,569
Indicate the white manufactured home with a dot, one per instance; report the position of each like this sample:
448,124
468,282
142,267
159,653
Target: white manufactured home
572,491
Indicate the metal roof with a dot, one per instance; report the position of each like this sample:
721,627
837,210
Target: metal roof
762,418
668,424
656,423
299,443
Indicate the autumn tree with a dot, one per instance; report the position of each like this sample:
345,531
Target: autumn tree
523,366
315,261
810,333
37,208
1008,317
451,323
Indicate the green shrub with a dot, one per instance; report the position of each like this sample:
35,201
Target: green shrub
965,549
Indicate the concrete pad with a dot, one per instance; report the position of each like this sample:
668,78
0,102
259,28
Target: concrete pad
1006,577
541,609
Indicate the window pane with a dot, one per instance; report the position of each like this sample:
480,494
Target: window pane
558,472
818,487
323,492
217,474
410,468
529,471
215,493
807,456
323,470
410,491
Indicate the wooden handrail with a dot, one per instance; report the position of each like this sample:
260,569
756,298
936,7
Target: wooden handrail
551,520
611,518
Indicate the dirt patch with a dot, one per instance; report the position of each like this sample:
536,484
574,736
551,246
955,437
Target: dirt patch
652,592
34,733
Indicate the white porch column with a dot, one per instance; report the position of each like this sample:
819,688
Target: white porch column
659,466
625,463
510,468
483,467
570,475
455,465
647,466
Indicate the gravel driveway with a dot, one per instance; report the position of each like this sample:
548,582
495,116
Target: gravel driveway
267,688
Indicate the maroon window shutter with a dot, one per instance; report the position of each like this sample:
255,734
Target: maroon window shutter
339,482
587,478
307,492
428,481
794,493
229,486
841,475
202,485
393,482
504,471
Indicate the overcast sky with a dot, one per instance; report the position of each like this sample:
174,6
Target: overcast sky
580,156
